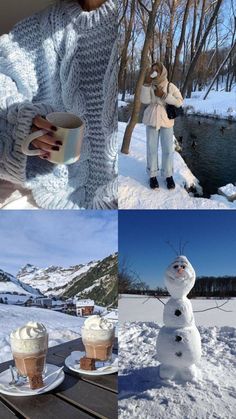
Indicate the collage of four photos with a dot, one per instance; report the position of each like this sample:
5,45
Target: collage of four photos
118,209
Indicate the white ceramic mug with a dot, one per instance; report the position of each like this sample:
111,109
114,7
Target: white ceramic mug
70,131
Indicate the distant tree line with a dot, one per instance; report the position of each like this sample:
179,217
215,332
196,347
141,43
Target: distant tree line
205,286
210,286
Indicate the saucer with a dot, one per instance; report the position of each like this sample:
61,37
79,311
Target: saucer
53,377
103,368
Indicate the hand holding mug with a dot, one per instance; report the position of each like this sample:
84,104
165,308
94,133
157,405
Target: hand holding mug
58,140
48,141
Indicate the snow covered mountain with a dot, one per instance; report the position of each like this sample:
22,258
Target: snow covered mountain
96,279
98,283
9,285
51,280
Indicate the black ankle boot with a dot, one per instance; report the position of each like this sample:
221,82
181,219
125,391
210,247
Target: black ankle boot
153,183
170,182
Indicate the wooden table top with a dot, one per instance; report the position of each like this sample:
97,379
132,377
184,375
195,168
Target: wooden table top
78,397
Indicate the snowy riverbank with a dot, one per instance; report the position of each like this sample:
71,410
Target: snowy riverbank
134,191
221,105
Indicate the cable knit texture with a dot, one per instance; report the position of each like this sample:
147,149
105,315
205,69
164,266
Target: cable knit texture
62,59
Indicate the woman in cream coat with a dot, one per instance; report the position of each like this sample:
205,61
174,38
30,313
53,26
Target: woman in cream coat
157,92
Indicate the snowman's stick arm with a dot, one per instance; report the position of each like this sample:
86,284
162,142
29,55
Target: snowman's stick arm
160,300
156,298
223,309
213,308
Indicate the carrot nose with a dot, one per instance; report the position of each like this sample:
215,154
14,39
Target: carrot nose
180,270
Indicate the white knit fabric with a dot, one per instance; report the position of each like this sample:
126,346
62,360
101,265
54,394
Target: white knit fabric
62,59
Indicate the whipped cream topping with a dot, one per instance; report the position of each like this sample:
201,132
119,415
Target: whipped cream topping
98,323
97,329
30,338
31,330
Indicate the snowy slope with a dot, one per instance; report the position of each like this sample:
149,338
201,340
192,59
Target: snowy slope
134,191
143,395
61,327
99,283
52,280
10,284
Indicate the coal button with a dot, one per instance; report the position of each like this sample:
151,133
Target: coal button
177,313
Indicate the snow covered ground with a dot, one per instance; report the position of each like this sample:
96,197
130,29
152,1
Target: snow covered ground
216,105
142,308
141,392
134,190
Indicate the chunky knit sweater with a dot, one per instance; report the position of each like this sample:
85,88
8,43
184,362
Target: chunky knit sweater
62,59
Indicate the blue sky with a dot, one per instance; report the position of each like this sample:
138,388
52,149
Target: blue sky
211,237
63,238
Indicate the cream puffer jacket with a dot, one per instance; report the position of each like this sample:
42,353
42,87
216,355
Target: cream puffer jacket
155,114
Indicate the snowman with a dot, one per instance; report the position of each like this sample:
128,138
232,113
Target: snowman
179,342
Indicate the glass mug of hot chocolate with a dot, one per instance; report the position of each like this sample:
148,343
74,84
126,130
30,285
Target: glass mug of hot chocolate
98,338
29,345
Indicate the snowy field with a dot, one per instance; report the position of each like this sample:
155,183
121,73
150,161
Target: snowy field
141,392
61,327
134,190
141,308
217,104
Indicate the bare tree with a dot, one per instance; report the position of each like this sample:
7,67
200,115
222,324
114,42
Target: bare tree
143,66
218,71
181,40
200,47
128,26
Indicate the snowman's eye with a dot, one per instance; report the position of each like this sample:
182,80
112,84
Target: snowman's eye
176,266
183,266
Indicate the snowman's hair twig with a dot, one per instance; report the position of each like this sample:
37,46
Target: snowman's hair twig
183,247
172,247
213,308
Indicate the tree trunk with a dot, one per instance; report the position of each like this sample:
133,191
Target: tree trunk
181,41
141,77
169,40
199,33
219,69
123,61
199,48
217,54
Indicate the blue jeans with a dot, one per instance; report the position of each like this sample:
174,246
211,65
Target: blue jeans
167,146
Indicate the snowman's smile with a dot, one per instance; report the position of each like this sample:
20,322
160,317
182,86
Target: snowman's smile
178,278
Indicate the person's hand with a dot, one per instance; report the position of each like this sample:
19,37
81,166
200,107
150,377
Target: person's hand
148,79
47,142
159,92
